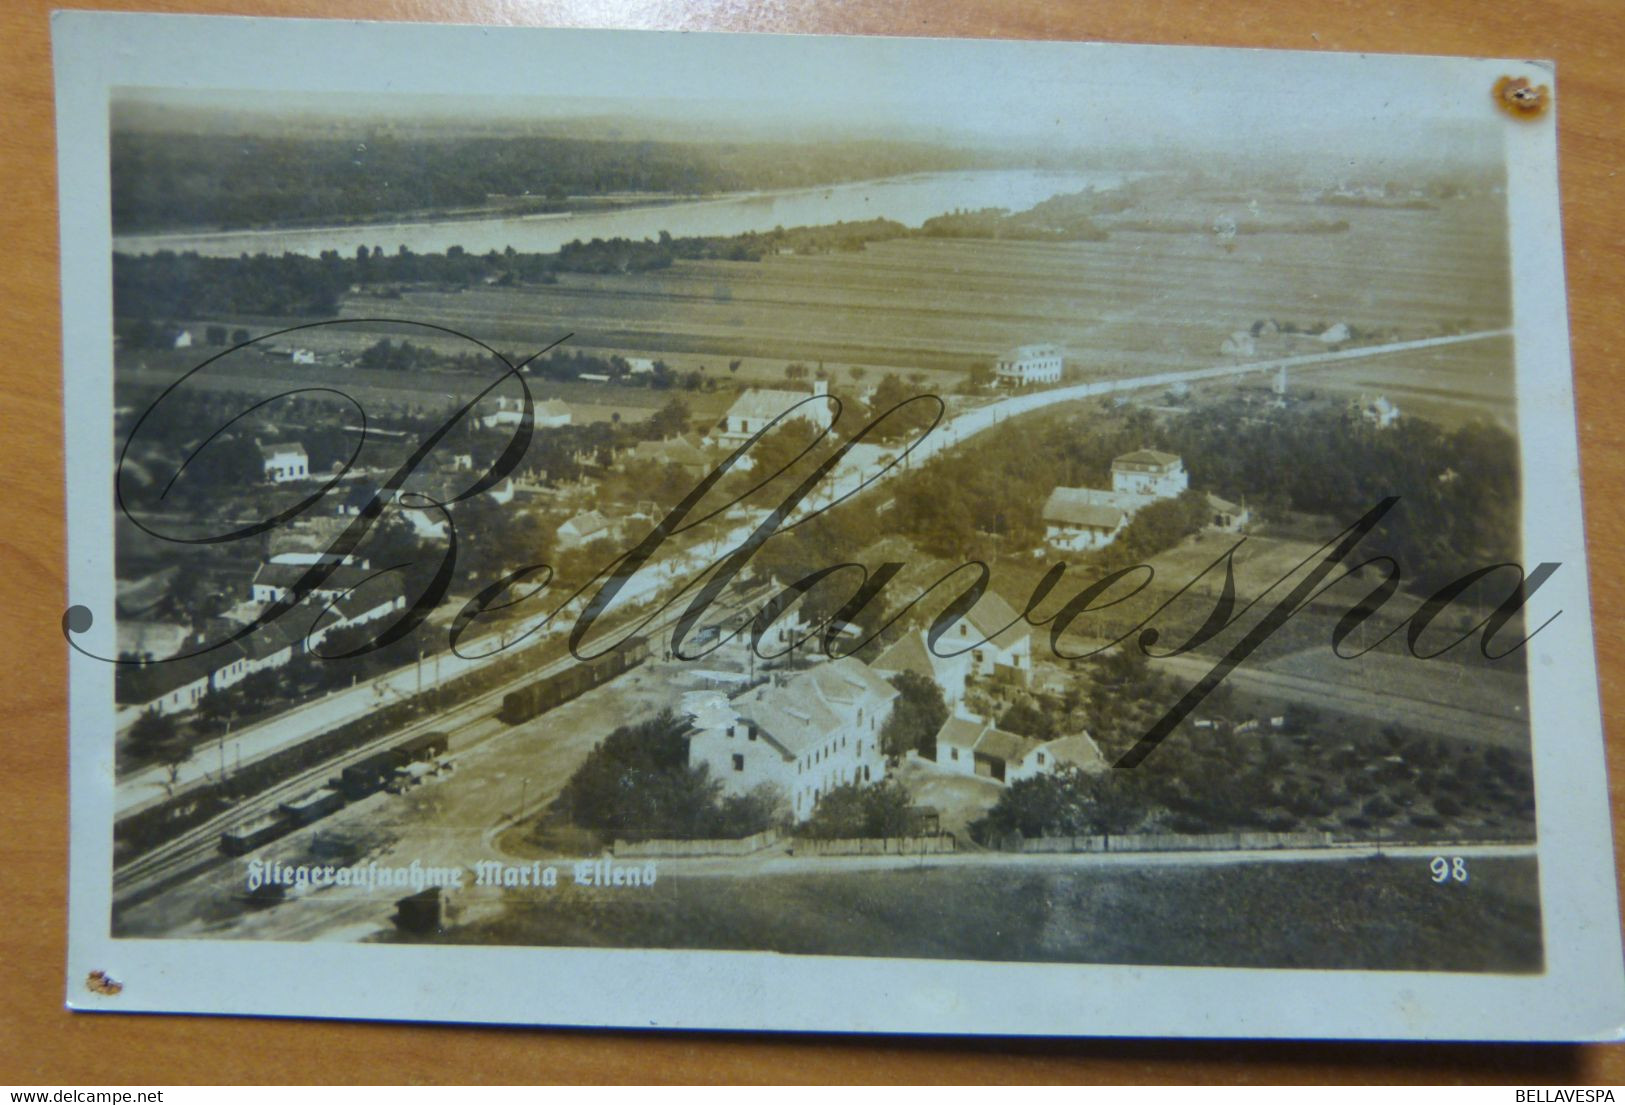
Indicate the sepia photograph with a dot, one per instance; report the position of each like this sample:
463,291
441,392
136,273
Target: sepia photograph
835,502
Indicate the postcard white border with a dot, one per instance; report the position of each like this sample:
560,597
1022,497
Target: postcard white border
1581,996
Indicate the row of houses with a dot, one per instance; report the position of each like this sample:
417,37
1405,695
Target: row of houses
969,745
351,596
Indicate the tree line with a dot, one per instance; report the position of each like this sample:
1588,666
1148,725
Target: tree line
165,180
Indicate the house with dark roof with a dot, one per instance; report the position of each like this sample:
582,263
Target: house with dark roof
803,734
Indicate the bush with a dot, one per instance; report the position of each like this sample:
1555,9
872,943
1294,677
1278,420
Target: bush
1070,802
855,810
1378,806
1447,806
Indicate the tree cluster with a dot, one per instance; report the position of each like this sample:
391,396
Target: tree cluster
637,783
856,810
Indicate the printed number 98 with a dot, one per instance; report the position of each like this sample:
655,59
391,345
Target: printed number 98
1448,870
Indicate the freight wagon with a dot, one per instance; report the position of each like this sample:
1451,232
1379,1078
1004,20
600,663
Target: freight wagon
554,690
252,834
355,782
366,776
316,804
373,773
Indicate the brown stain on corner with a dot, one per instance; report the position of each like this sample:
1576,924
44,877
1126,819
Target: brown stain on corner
100,982
1520,99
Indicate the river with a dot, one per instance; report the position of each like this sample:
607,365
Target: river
907,199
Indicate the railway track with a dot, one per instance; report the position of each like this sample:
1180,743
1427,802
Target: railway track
470,725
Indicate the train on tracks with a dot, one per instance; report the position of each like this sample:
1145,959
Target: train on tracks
398,765
554,690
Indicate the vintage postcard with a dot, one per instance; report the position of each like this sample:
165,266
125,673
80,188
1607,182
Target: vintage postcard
761,532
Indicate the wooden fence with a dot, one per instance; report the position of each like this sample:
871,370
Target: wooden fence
672,849
1177,842
874,846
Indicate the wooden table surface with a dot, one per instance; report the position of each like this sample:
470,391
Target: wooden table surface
41,1043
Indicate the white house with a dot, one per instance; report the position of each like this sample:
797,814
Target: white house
1029,364
816,730
549,414
302,356
972,746
285,462
274,581
585,527
1379,412
150,639
1227,517
996,638
757,407
1074,751
1149,472
1081,519
172,687
183,340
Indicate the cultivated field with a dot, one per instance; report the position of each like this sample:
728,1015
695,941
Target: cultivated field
1136,302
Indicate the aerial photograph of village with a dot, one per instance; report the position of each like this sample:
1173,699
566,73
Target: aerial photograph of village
566,525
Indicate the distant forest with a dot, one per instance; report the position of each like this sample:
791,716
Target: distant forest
166,181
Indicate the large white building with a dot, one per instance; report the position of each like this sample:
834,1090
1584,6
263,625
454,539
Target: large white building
816,730
1151,473
1029,364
